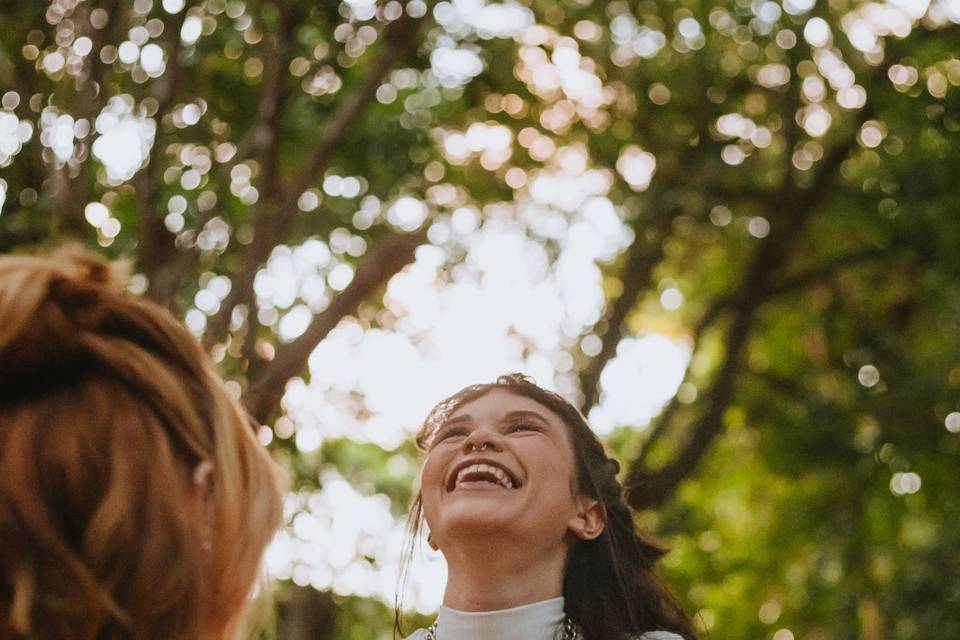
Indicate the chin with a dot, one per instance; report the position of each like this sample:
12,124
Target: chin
471,519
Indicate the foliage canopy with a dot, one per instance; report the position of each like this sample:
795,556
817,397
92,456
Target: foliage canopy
769,185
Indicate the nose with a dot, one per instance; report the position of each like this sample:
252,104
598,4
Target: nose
481,440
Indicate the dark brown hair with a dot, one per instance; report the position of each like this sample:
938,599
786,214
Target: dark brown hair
610,587
107,406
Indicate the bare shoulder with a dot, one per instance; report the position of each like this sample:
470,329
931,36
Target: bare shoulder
660,635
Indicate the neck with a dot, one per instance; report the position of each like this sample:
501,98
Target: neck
485,575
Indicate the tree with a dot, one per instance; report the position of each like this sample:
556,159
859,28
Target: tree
771,183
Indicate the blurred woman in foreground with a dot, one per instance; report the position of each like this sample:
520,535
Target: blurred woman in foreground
135,499
526,508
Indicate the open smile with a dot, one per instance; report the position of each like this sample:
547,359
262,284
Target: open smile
483,473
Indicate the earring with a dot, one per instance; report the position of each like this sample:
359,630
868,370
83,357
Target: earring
433,545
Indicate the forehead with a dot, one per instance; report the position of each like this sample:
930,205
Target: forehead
497,404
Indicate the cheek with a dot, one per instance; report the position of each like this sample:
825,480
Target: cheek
553,460
431,480
556,471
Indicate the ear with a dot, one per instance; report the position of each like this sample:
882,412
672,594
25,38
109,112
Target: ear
589,521
201,486
202,478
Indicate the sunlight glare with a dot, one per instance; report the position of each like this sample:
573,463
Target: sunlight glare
362,544
644,375
13,134
125,139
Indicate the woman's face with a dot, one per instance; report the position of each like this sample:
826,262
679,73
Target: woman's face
500,464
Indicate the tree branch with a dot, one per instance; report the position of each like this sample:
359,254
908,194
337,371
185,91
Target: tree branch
825,270
657,431
784,286
786,387
273,219
116,13
263,136
157,245
642,258
266,380
273,100
648,488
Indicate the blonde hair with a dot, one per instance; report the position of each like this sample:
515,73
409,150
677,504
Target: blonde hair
107,406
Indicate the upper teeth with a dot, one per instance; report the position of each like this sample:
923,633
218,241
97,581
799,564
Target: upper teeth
496,472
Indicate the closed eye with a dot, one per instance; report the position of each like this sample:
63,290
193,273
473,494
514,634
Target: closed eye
445,433
523,425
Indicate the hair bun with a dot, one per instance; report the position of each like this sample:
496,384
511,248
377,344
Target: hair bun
45,304
83,266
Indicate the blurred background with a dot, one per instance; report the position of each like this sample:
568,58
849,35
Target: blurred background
728,230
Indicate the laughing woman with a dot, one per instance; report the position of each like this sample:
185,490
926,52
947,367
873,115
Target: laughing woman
525,507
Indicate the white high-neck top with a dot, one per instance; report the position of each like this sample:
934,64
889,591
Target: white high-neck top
535,621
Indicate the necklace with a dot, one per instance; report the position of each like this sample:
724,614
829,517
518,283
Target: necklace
570,630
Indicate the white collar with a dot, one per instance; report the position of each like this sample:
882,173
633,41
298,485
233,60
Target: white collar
535,621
